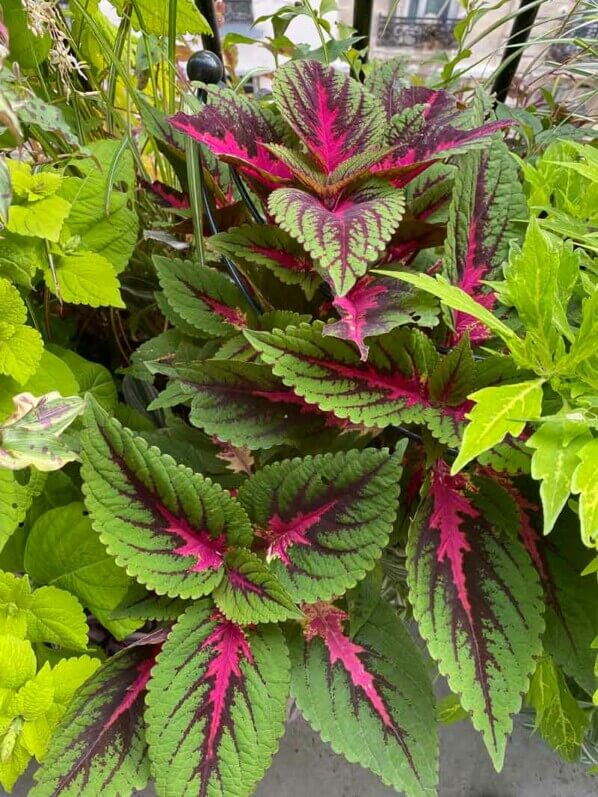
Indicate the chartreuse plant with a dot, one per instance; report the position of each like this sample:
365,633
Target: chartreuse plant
313,431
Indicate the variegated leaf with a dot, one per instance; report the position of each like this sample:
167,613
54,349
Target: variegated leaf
271,247
345,237
244,404
216,705
488,203
369,696
392,388
202,297
477,600
375,305
235,128
250,592
324,519
168,526
100,747
332,113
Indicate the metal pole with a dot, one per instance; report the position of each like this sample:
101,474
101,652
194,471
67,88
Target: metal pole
522,25
212,43
362,22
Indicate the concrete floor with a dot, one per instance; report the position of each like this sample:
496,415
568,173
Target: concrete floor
304,767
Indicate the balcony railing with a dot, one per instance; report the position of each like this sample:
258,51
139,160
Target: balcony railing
430,32
581,32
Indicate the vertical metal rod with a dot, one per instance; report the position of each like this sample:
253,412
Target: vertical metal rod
522,25
212,43
362,22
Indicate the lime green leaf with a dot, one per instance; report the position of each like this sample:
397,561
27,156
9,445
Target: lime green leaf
20,346
42,218
559,717
498,411
47,614
20,257
85,278
64,551
17,662
155,17
553,462
51,374
586,484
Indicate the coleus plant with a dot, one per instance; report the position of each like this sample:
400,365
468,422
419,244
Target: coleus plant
338,397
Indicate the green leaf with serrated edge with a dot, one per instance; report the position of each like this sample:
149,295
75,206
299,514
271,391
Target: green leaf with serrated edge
243,404
571,606
324,519
271,247
390,389
216,705
63,551
477,601
46,614
250,592
376,305
43,218
203,297
20,258
21,346
92,377
498,411
17,662
166,525
16,496
369,696
84,278
347,239
100,747
585,484
554,461
559,717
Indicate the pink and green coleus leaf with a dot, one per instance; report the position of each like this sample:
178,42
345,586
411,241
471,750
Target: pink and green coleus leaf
235,128
369,696
333,114
216,704
250,592
244,404
375,305
100,747
488,203
343,236
202,297
477,600
392,388
271,247
169,527
324,520
428,126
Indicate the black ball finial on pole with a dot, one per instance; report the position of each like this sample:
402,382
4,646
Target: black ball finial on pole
204,66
